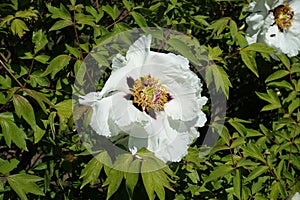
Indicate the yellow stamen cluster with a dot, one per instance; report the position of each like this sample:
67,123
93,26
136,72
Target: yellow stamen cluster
284,16
149,95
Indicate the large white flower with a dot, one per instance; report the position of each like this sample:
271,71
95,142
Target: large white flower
275,23
153,97
296,196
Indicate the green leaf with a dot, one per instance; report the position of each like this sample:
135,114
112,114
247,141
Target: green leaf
270,97
233,28
218,172
23,184
139,19
92,170
259,47
57,64
42,58
24,109
180,46
61,12
285,60
114,180
128,4
277,75
39,39
64,111
6,19
19,27
219,25
281,84
111,11
12,132
61,24
28,14
256,173
249,61
132,178
237,183
74,51
80,69
7,166
84,19
40,98
253,151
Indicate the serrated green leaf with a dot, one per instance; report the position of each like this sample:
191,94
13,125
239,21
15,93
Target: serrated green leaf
219,25
139,19
61,24
277,75
61,12
40,40
6,19
18,27
111,11
23,184
8,165
249,61
24,109
92,170
57,64
12,132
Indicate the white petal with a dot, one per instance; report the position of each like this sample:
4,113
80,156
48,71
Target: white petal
296,196
138,51
118,80
90,98
118,62
170,145
99,119
125,114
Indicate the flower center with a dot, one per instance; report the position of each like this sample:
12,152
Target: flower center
148,95
284,16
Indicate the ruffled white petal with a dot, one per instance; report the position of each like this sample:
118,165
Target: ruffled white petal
101,109
138,51
124,113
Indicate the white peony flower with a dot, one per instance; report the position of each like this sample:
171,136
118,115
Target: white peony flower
153,97
275,23
296,196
